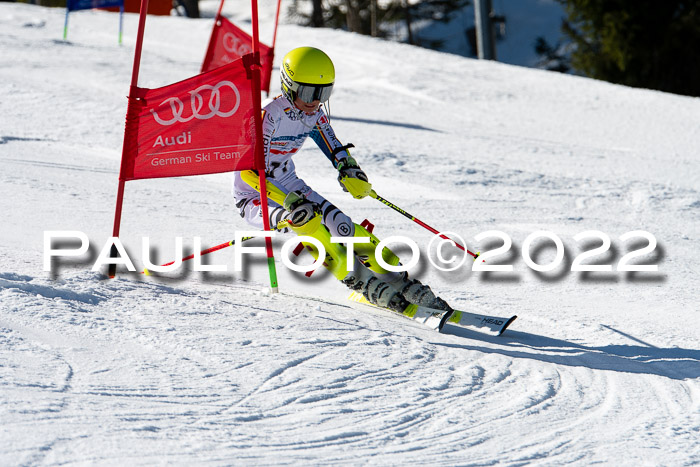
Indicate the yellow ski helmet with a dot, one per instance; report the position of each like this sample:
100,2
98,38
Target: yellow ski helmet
307,73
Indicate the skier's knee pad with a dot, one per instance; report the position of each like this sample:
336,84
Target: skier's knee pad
308,228
335,259
367,251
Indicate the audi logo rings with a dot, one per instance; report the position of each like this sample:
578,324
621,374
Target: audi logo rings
197,102
234,45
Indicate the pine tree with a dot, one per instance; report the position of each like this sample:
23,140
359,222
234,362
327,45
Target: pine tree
371,17
552,57
640,43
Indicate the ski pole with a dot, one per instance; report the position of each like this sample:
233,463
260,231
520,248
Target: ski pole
374,195
202,253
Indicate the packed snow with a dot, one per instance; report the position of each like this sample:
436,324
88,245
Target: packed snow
600,367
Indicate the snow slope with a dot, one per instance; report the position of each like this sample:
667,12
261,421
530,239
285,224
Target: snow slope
205,368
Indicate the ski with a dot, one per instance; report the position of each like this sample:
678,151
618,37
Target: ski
436,319
494,325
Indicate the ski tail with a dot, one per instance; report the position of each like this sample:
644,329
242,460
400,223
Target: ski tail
433,319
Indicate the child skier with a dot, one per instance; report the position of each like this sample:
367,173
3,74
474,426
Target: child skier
307,77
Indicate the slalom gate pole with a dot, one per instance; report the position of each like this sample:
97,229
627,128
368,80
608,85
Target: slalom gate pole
218,12
277,20
259,152
374,195
274,41
113,253
65,24
121,22
202,253
212,43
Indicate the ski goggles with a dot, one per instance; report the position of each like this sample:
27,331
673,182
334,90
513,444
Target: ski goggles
314,92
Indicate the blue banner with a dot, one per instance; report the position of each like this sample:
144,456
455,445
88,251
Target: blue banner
89,4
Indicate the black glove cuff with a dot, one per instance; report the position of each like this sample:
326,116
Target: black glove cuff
341,149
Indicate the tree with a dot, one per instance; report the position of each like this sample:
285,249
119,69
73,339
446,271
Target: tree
552,57
640,43
368,16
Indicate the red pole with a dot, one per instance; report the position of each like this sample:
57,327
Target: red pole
374,195
277,19
134,82
221,7
436,232
259,154
212,40
204,252
139,43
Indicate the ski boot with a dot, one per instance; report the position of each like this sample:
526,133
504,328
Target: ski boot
412,289
380,293
418,293
376,291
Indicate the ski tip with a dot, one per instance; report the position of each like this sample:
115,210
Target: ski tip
505,326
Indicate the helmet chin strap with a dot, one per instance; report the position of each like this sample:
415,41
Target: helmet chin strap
301,113
289,98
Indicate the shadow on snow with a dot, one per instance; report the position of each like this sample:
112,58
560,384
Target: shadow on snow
674,363
410,126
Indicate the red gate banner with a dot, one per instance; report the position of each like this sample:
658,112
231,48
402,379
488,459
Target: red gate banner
228,43
202,125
